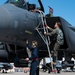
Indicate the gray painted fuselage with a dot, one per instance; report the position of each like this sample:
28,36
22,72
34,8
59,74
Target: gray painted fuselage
17,24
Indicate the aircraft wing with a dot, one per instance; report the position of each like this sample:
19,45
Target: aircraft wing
69,32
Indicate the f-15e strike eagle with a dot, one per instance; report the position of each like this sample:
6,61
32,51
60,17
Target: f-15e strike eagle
18,24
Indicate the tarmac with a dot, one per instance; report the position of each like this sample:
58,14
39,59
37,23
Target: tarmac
41,73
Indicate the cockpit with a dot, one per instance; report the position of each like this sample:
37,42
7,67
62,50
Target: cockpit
27,4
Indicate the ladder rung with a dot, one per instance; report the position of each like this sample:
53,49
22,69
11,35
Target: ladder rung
45,38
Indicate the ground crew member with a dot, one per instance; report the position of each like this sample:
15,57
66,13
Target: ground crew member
60,38
34,57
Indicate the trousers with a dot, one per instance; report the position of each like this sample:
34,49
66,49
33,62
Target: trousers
33,67
56,48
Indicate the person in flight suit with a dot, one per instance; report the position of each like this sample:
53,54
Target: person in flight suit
34,57
60,38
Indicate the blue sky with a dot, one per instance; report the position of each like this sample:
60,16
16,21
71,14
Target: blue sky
63,8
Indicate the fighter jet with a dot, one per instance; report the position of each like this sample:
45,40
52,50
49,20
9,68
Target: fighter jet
18,23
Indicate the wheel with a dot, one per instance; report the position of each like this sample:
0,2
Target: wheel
58,70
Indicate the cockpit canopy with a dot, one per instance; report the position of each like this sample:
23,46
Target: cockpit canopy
27,4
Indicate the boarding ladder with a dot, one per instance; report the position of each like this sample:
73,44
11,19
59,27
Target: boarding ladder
41,28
